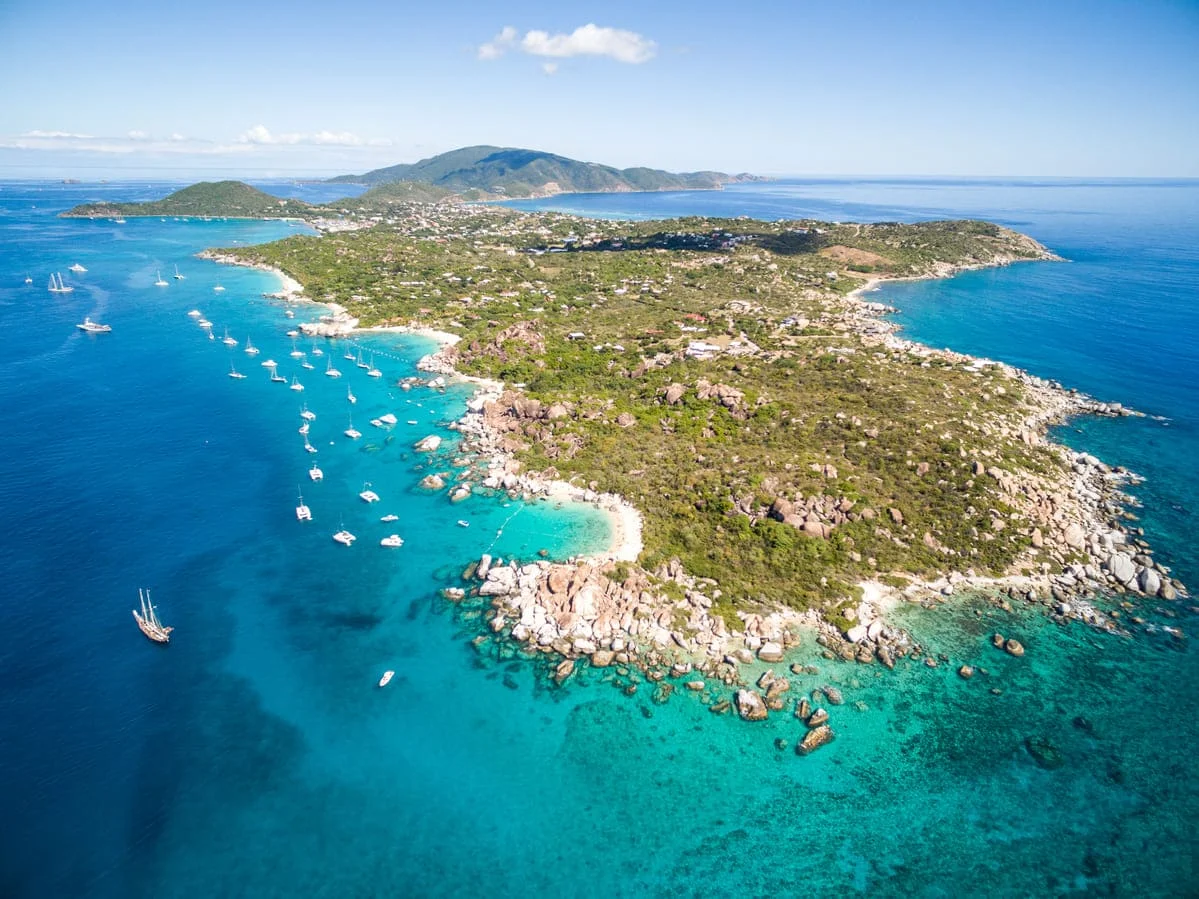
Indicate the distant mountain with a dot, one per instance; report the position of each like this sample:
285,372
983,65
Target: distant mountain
230,199
493,172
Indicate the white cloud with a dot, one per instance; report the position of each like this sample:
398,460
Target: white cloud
591,40
549,67
586,40
56,135
260,134
498,45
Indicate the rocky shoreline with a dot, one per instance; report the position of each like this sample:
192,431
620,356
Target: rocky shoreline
658,625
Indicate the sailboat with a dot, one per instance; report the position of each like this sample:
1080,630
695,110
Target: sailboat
276,377
303,513
349,354
234,373
160,282
218,288
352,432
58,286
147,620
178,277
330,371
228,341
295,383
296,352
317,351
360,363
350,395
250,350
306,415
371,371
308,446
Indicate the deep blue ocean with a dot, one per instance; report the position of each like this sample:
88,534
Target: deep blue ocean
255,756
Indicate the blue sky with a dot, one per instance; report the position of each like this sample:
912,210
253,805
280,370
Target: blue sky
905,87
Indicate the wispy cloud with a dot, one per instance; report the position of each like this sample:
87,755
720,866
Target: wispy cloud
498,45
258,138
586,40
260,134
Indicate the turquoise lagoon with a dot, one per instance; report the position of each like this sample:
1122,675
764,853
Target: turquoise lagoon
256,757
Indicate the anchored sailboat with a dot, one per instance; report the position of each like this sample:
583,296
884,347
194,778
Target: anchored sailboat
147,620
58,286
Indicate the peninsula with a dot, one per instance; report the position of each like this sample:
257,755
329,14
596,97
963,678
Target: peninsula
784,458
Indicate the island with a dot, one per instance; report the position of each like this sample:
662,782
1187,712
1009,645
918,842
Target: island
776,458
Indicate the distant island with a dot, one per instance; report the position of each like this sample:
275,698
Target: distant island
483,172
220,199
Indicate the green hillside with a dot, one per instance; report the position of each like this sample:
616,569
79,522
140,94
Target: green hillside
500,172
229,199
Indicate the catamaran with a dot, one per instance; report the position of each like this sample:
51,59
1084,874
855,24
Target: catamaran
306,415
330,371
352,432
304,429
343,536
160,282
147,620
303,513
58,286
392,540
178,277
250,350
315,473
295,383
367,495
92,327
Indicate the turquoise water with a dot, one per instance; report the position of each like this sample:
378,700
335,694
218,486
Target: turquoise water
255,757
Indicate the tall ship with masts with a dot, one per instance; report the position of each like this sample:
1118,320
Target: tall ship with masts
147,619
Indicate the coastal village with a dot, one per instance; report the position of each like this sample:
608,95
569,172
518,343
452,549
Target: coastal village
779,465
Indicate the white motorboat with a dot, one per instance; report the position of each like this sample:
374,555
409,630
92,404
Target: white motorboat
388,419
204,323
77,268
306,415
293,334
392,540
195,313
28,279
367,495
463,523
92,327
390,517
386,678
178,277
250,349
315,473
268,363
376,423
295,384
289,313
160,282
217,289
330,371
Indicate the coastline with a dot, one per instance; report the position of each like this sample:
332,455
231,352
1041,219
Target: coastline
583,610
